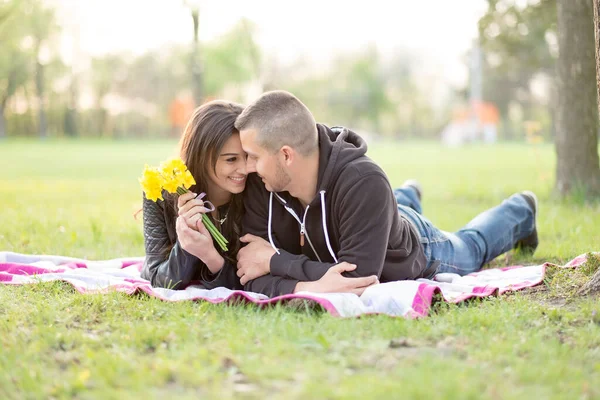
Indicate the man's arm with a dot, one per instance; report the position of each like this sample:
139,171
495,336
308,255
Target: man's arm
332,282
365,218
255,222
365,223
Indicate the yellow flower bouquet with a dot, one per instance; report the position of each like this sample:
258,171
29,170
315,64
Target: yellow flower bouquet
174,177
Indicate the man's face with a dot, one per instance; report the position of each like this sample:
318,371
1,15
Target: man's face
266,164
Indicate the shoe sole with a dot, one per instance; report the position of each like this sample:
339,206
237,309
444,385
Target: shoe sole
531,242
414,184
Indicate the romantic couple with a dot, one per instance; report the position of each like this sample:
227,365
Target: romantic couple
304,209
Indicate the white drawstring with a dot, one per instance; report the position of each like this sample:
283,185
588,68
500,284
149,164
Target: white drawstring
291,211
269,228
322,192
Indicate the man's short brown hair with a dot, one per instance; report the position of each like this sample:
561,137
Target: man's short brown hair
280,119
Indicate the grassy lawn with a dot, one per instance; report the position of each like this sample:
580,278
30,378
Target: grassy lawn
78,199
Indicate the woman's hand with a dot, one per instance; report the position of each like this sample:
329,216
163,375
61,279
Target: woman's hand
199,243
191,208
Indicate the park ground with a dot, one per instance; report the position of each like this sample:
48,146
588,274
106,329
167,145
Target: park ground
78,198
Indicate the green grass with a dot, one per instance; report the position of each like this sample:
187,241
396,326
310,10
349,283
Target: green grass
78,199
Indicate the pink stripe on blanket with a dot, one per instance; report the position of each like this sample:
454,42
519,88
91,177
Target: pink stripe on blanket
238,295
480,289
423,298
5,278
24,269
135,281
503,269
75,265
577,261
129,263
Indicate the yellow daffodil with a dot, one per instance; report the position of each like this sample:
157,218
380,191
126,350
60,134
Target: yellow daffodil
172,167
171,184
152,183
174,177
186,179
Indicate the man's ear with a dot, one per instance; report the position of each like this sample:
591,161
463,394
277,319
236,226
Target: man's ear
288,155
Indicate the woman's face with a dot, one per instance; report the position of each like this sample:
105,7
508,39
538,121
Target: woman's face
231,166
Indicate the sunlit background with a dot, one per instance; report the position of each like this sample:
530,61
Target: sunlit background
473,70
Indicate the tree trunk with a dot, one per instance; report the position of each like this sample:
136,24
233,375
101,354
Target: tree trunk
593,286
597,35
39,84
576,141
70,123
195,61
2,120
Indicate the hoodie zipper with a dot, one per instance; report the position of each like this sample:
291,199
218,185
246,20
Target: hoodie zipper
303,227
303,232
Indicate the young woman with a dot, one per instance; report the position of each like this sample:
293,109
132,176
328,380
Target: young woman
179,249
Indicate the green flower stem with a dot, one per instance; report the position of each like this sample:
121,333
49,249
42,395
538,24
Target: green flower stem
214,232
220,239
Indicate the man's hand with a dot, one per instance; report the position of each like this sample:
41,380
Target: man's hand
334,282
254,258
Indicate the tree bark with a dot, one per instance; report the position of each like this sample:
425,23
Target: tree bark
597,36
39,84
196,63
2,120
593,286
70,123
576,140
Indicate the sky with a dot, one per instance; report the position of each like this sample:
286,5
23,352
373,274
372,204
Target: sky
440,31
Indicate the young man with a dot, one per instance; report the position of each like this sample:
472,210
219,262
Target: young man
323,202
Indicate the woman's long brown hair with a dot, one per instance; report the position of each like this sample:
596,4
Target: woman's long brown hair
209,127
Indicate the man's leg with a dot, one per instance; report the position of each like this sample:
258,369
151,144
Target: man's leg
489,235
409,195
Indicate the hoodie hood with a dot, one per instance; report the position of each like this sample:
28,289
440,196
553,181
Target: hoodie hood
338,146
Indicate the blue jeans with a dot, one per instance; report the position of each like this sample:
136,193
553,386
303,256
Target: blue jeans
488,235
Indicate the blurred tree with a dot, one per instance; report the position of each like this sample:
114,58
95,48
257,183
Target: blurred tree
412,113
107,73
232,59
14,58
7,8
156,78
363,92
359,90
71,127
597,35
196,66
519,42
43,27
577,118
593,285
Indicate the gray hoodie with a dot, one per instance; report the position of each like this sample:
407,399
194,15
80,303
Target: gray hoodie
353,218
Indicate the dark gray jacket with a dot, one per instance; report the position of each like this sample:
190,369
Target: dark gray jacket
166,264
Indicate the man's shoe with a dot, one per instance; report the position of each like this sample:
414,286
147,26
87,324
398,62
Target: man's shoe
415,185
530,243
